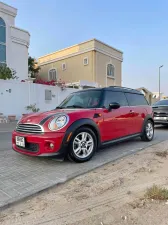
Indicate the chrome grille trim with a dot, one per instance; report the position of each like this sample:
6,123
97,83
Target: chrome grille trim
29,128
160,114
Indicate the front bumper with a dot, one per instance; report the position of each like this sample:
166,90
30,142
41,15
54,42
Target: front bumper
39,145
160,120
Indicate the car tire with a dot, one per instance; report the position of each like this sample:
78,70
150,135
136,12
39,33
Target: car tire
83,145
148,132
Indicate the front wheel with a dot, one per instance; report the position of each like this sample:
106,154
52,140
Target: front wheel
83,145
148,132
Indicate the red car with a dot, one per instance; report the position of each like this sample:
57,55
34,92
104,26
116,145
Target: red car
83,122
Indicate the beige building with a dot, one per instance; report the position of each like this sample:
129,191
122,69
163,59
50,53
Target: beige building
151,97
148,94
92,61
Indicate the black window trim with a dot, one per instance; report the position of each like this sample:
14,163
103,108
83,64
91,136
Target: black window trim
103,98
135,94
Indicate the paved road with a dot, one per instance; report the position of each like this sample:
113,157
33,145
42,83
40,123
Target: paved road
5,135
5,141
22,176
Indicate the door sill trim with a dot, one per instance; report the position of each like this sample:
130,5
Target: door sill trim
114,141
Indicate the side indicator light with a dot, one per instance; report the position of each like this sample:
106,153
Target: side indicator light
69,136
97,115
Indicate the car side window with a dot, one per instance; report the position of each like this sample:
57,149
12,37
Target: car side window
136,99
113,96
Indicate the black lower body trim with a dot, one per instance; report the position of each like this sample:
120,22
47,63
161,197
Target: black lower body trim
60,155
121,139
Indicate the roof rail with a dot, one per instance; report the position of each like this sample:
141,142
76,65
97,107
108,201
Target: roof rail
122,87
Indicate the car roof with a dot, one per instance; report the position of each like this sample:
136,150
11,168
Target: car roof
114,88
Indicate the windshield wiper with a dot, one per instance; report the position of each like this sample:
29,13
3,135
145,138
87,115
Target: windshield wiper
74,106
59,107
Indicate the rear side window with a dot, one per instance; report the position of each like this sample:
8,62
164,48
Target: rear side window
118,97
135,99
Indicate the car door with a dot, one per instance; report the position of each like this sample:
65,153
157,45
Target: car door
137,103
117,122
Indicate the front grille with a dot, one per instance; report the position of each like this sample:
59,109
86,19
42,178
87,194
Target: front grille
160,114
30,147
29,128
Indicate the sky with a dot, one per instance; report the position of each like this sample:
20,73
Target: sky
138,28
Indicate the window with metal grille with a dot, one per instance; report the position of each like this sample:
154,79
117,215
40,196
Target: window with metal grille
85,61
48,95
63,66
110,70
52,74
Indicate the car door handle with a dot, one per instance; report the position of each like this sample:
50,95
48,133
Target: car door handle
131,111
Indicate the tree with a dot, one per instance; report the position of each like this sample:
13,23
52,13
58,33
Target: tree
6,73
33,67
32,108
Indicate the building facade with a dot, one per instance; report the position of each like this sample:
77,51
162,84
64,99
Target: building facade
156,95
14,42
92,61
148,94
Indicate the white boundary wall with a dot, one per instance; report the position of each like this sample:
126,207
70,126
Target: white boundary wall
15,96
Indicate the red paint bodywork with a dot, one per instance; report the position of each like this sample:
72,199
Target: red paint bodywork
112,125
43,141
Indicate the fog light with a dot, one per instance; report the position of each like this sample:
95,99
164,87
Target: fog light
51,145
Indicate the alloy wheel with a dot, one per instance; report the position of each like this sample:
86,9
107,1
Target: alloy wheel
149,130
83,145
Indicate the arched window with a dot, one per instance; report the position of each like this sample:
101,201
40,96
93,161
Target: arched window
2,41
52,74
110,70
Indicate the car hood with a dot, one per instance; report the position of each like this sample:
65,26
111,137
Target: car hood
160,109
36,118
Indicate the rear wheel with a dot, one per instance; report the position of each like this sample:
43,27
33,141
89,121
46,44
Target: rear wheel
83,145
148,132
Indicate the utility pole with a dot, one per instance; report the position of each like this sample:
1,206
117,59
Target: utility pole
159,80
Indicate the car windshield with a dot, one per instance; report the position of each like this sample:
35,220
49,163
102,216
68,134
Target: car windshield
160,103
82,99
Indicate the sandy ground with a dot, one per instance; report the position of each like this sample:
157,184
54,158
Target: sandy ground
110,195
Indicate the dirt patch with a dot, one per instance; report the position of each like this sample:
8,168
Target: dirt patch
113,194
162,153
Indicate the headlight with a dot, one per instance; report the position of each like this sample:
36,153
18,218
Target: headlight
58,122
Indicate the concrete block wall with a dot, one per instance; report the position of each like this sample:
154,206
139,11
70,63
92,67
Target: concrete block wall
16,95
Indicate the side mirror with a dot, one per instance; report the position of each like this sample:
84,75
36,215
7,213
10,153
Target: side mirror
114,105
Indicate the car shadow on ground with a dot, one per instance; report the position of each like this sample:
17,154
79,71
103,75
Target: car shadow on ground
161,127
127,146
101,152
